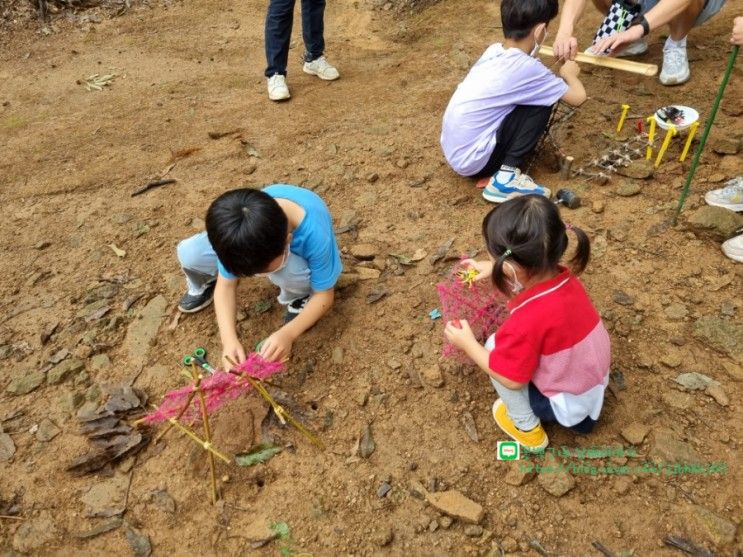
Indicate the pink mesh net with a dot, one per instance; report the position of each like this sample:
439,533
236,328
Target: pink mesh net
218,389
477,302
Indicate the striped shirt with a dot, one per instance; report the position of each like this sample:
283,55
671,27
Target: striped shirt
554,338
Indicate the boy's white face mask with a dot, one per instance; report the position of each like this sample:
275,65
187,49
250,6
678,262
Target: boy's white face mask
281,265
535,51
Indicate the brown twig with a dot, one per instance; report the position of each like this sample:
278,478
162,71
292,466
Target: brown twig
154,184
9,517
601,548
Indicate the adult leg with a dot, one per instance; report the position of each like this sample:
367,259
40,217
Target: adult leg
313,29
680,25
517,137
278,32
602,5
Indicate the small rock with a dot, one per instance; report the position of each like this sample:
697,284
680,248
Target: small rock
25,384
47,431
259,533
64,370
720,530
519,474
680,401
48,331
100,362
384,489
138,542
676,312
667,448
622,298
553,479
639,169
402,163
366,443
32,534
367,273
417,490
384,536
722,334
510,545
394,364
106,498
635,432
142,332
622,485
468,421
365,252
716,391
456,505
337,357
473,531
197,223
671,359
718,220
162,500
346,280
694,381
7,447
107,526
372,177
628,189
42,245
445,522
724,145
597,207
432,376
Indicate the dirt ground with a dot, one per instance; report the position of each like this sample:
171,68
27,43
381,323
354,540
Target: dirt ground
368,143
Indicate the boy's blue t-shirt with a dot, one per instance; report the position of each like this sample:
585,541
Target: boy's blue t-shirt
313,240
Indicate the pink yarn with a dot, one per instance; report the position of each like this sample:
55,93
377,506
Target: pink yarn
480,304
218,388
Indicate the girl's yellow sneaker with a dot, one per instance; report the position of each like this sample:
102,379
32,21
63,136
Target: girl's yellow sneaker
533,440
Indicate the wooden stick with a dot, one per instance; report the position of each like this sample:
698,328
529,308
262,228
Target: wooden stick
609,62
565,167
205,445
9,517
207,430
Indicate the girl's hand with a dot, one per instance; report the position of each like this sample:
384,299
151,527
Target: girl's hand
277,347
484,268
565,47
617,41
234,351
459,333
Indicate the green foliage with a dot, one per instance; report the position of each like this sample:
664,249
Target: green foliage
257,455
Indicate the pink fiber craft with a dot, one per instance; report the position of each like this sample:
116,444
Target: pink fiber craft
218,388
479,303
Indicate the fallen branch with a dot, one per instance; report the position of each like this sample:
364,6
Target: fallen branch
154,184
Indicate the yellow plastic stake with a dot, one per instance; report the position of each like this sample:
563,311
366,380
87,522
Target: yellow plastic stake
666,142
651,136
623,117
692,133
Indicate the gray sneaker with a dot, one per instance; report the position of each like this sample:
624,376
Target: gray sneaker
191,303
322,69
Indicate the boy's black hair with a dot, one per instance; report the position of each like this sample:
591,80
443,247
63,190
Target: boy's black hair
519,17
530,226
247,229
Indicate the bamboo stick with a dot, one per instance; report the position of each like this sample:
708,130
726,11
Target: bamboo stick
609,62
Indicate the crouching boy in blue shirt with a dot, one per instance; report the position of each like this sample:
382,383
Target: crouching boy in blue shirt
282,232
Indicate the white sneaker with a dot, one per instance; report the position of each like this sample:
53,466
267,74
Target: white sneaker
729,197
322,69
733,248
675,65
277,88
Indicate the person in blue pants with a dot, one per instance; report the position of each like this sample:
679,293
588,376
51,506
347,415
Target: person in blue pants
279,21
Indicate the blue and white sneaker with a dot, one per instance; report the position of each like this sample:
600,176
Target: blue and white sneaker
517,184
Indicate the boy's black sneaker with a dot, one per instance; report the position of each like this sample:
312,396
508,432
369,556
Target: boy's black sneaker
191,303
293,309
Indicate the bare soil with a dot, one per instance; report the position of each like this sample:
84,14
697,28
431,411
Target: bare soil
368,143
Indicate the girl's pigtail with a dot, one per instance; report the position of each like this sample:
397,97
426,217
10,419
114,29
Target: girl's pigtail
582,253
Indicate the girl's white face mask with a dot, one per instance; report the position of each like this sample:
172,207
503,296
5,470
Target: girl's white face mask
513,283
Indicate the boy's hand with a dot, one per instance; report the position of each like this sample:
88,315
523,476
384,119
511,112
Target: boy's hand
459,333
570,69
565,47
234,351
277,347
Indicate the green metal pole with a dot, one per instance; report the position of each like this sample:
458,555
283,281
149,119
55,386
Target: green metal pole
707,128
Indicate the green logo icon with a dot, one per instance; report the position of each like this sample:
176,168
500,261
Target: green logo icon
508,450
